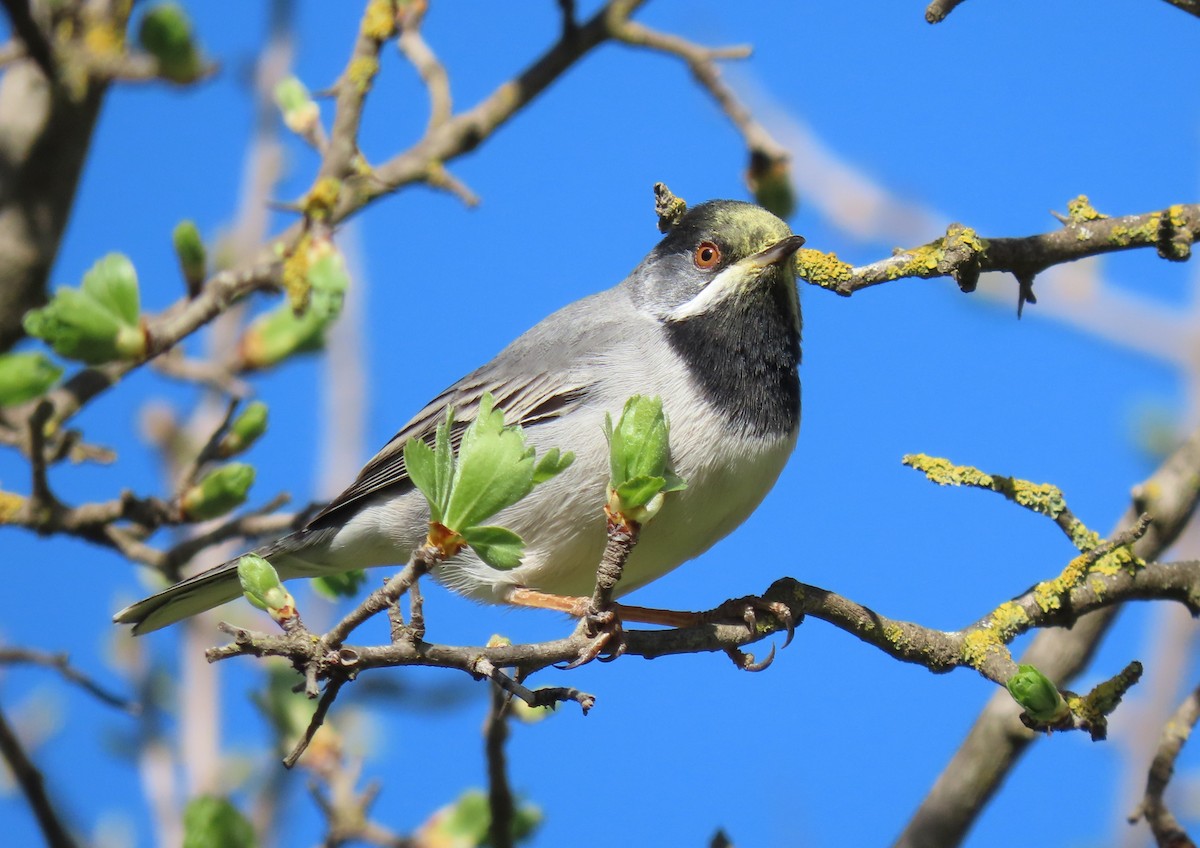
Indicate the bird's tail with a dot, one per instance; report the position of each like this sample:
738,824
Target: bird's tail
292,556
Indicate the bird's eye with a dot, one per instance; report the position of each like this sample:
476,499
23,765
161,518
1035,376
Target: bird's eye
707,255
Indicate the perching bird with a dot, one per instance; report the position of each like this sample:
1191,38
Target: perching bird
709,321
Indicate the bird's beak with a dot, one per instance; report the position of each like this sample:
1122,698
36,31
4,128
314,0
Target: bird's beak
779,252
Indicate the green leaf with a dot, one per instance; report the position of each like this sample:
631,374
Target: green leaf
638,445
639,491
422,470
112,282
24,376
213,822
551,465
443,460
494,469
499,547
342,585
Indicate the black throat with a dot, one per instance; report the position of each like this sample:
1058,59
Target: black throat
743,355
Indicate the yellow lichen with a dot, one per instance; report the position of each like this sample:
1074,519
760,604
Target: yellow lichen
978,644
945,473
1048,595
323,197
379,20
1008,619
1080,209
10,504
361,72
822,269
1082,538
1040,497
295,274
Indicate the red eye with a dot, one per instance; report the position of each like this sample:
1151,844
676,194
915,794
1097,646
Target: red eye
707,255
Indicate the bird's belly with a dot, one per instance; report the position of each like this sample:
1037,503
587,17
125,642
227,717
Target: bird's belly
723,488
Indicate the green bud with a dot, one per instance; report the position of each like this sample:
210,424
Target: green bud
97,322
344,584
193,259
263,588
466,822
24,376
250,423
219,491
1037,694
300,112
639,460
771,181
280,333
166,34
209,821
327,280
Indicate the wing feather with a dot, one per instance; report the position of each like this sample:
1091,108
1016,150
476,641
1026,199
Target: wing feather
527,403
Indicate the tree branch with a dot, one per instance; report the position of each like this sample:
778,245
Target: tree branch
964,255
1168,833
997,740
33,785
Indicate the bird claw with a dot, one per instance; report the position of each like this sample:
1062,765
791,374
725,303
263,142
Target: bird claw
746,661
607,638
747,609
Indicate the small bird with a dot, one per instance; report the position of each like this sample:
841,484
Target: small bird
709,321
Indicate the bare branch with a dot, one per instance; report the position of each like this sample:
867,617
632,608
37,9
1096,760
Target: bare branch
33,785
500,797
61,663
1168,833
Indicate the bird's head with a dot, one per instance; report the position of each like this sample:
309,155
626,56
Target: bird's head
718,253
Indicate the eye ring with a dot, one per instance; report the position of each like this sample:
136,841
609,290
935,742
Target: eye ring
707,255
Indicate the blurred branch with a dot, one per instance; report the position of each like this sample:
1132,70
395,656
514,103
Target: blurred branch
432,72
936,11
33,785
997,740
37,47
702,62
61,663
1192,7
1168,833
500,797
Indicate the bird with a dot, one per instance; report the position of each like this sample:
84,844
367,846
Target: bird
709,321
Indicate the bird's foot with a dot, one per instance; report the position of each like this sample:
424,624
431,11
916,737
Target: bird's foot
748,610
606,634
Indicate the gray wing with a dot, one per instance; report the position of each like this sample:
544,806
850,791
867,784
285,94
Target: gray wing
533,380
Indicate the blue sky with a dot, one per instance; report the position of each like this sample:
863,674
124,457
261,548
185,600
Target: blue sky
994,117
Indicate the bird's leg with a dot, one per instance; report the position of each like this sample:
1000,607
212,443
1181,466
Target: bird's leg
744,609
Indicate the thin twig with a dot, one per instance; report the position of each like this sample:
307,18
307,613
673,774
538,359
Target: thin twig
430,68
1168,832
500,797
331,691
61,663
33,785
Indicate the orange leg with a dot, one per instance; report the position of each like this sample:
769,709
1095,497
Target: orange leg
578,608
